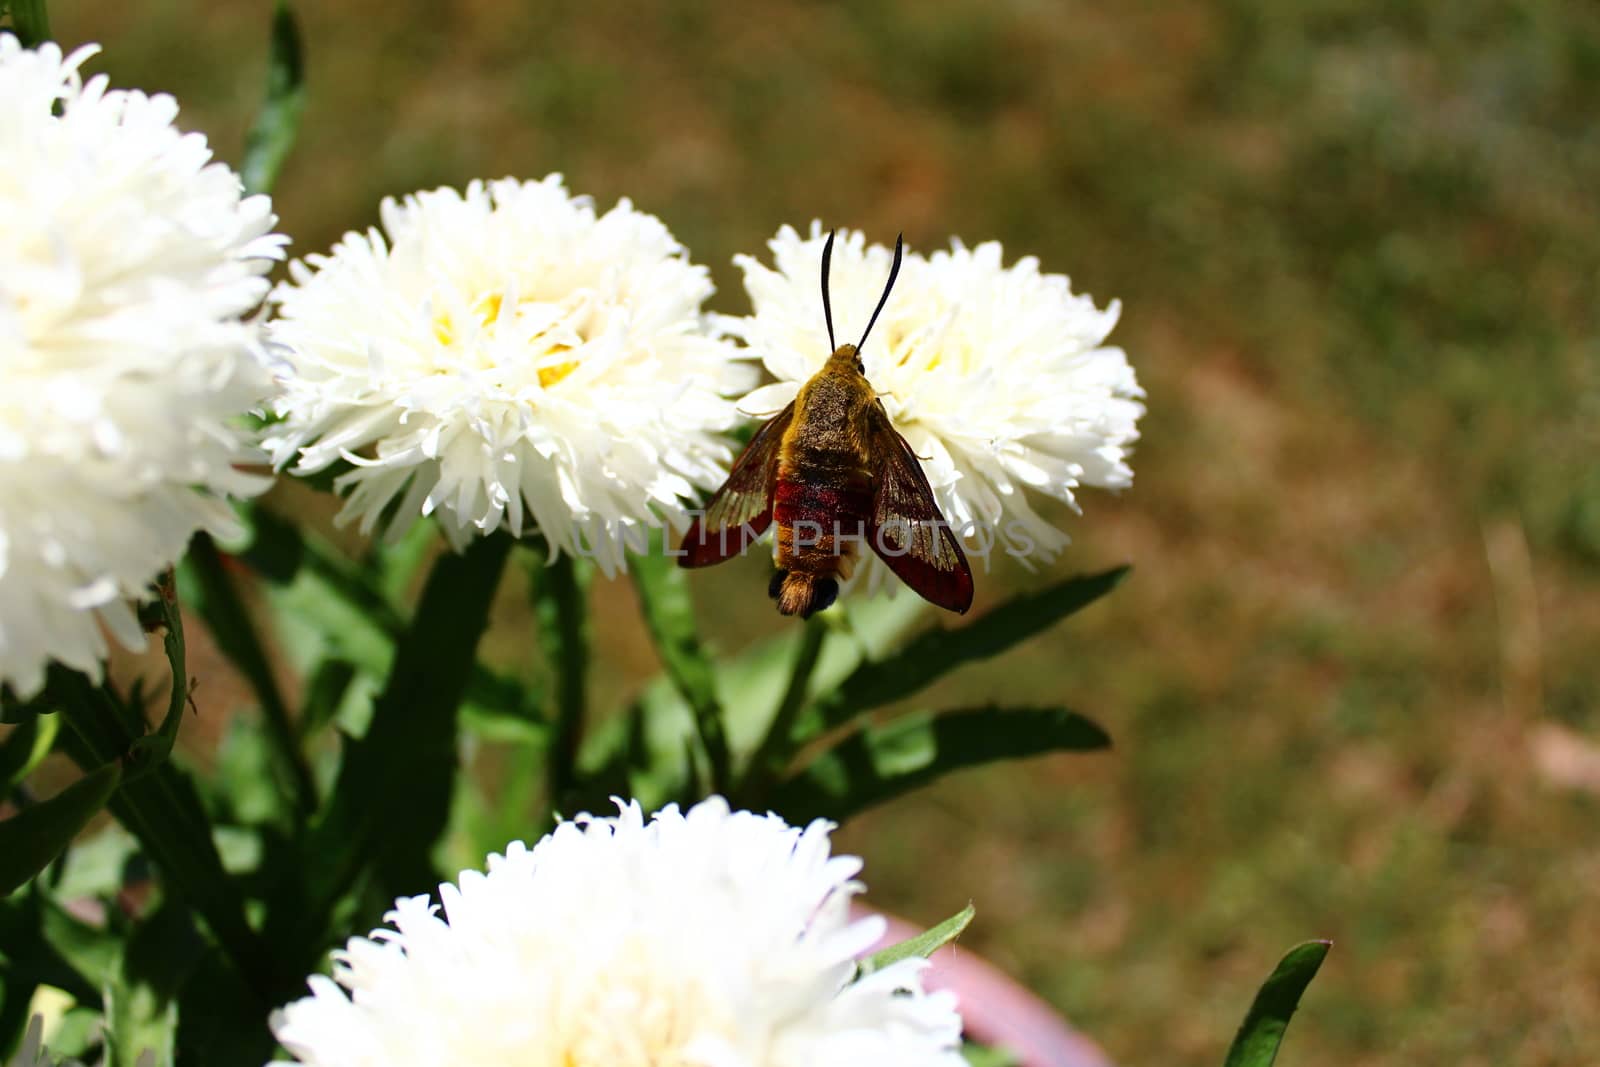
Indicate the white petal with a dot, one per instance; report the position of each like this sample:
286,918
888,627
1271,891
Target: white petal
707,936
540,365
127,262
995,375
767,401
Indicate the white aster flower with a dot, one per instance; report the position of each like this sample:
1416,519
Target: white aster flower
998,377
706,939
126,260
504,357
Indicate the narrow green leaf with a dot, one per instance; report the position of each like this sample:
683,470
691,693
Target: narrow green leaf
1256,1044
880,763
560,593
935,653
270,138
669,613
34,836
25,747
31,21
924,944
392,797
213,594
164,812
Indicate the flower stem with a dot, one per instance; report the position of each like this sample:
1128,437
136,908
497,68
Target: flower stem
775,747
560,591
31,21
236,634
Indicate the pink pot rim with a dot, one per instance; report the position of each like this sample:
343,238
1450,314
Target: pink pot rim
996,1010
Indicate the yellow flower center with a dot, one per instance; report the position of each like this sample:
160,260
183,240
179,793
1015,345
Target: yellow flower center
632,1014
486,311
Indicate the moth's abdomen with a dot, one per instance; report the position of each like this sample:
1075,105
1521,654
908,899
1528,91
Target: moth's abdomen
819,509
818,527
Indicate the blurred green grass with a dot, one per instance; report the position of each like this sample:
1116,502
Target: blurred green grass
1351,682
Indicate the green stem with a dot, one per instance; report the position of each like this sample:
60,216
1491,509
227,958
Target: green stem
273,133
164,812
31,21
669,614
560,591
236,634
774,750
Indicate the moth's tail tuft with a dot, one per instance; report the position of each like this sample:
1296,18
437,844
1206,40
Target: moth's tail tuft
803,594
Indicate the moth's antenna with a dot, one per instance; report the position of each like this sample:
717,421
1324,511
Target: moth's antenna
893,272
827,308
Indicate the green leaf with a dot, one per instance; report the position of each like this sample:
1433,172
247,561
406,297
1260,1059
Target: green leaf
25,747
669,614
880,763
978,1055
31,21
392,797
1256,1044
924,944
935,653
34,836
216,598
270,138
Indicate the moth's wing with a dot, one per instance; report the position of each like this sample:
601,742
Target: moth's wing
739,512
906,529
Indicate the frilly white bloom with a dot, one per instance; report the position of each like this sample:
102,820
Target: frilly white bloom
504,357
126,260
998,377
711,938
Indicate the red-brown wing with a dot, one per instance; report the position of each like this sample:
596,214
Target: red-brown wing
739,512
907,530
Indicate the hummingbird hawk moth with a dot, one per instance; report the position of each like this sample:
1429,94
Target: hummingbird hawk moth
832,472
